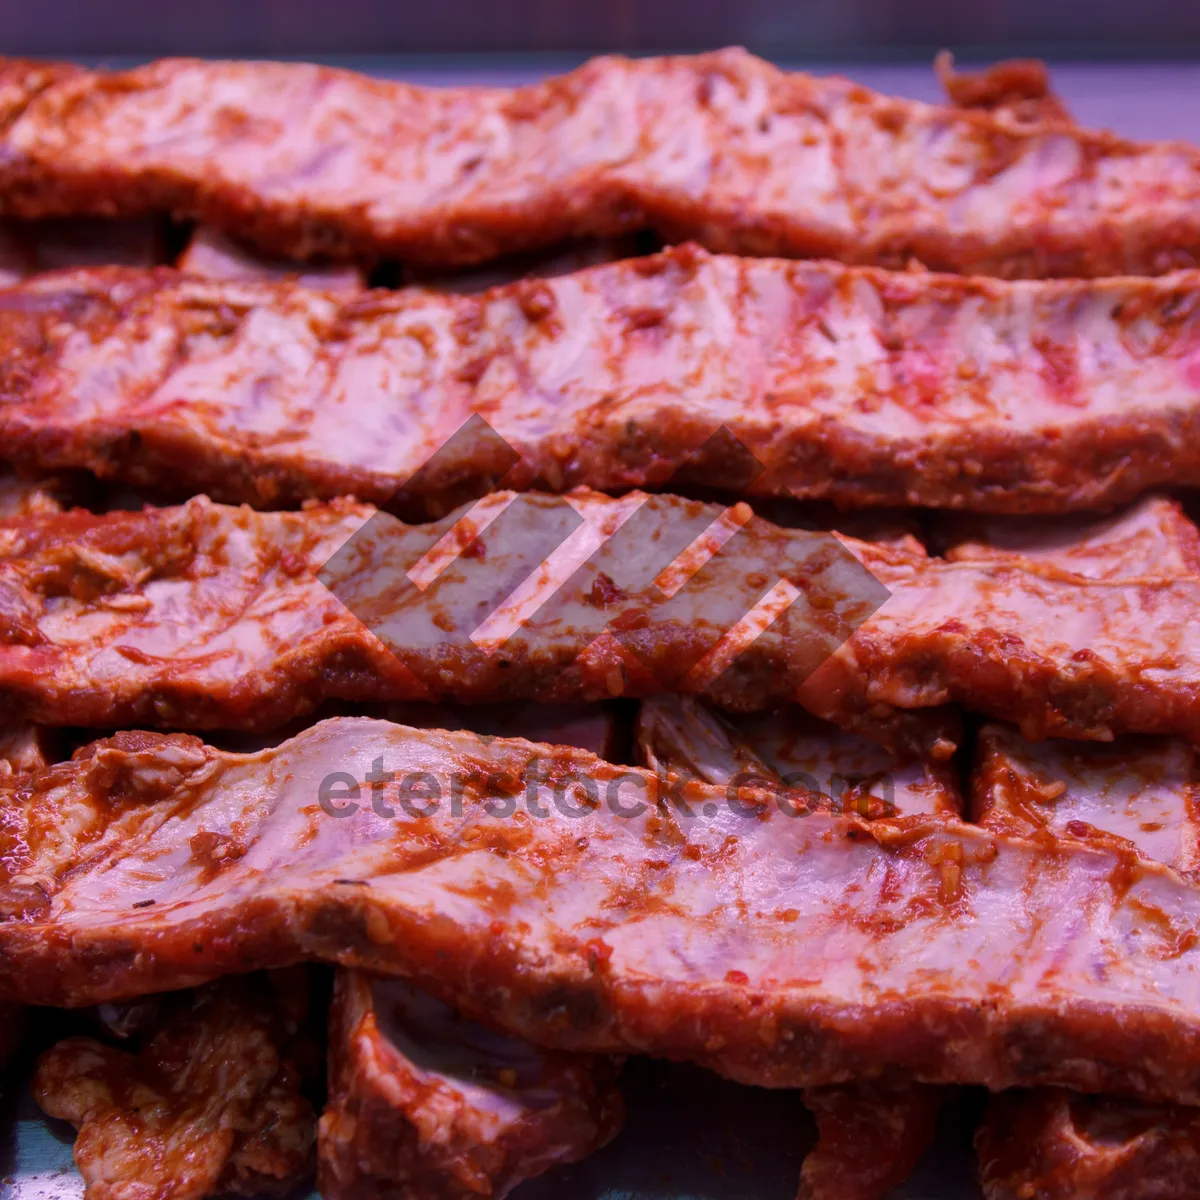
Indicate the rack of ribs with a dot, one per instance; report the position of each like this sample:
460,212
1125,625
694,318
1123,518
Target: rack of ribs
310,161
214,617
522,885
803,380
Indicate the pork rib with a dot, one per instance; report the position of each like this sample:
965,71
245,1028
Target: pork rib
209,1104
774,947
423,1103
1139,796
1143,791
856,385
20,497
305,160
213,617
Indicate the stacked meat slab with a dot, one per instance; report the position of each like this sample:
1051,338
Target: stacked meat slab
763,653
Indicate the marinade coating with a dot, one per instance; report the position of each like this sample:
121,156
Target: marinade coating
210,1103
778,379
1142,794
570,902
307,161
209,617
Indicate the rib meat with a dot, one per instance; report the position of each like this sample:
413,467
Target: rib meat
214,617
1139,796
21,497
210,1103
806,380
776,948
423,1103
305,160
870,1137
870,1134
1143,791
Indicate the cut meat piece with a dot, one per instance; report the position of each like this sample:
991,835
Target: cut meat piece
870,1138
1143,790
31,247
423,1103
577,905
1017,89
789,749
210,1104
1153,538
213,617
870,1135
1142,794
211,255
802,380
1139,793
1053,1145
311,161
